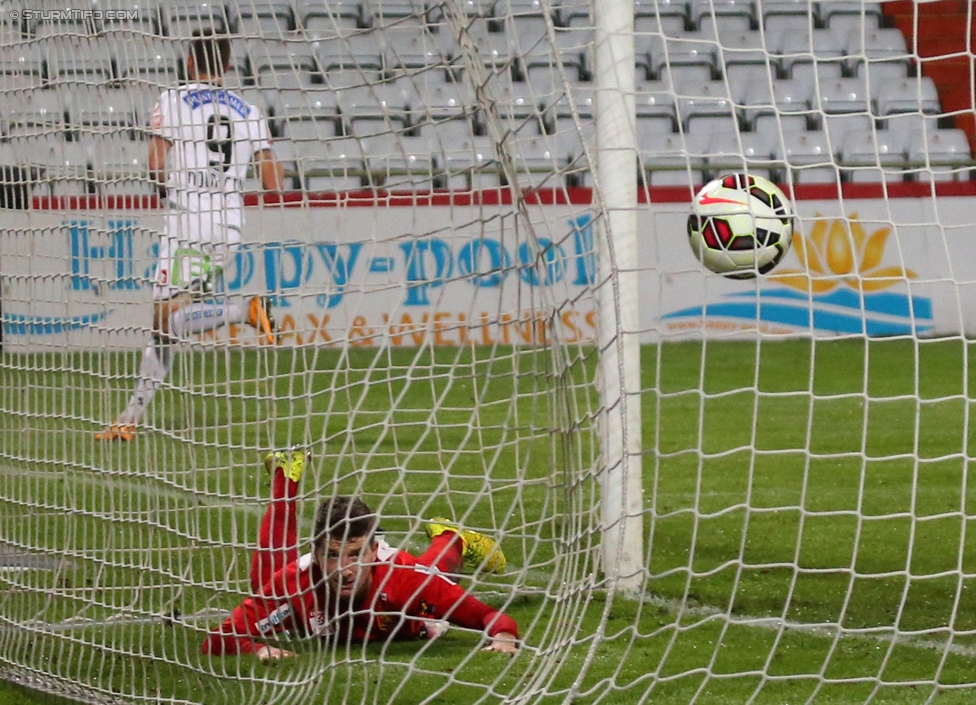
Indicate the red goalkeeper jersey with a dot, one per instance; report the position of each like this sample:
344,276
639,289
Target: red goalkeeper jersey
402,598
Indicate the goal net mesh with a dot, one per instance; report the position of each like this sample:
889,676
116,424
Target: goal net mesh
433,270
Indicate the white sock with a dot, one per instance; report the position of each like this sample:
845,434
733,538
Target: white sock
153,370
200,317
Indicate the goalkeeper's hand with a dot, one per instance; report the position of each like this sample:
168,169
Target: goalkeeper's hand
504,642
267,654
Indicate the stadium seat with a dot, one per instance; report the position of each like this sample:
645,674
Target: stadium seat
64,166
780,122
910,95
338,166
102,109
151,62
360,52
569,57
684,162
671,12
820,50
698,100
578,13
496,51
873,157
879,55
446,110
843,95
851,15
303,130
258,98
287,155
57,26
743,48
846,107
183,19
22,65
407,165
724,24
9,155
261,18
666,25
881,72
11,31
402,13
572,142
807,156
789,98
570,147
690,56
332,19
518,107
903,125
650,129
143,99
33,112
371,110
129,17
770,9
292,105
78,59
945,153
471,164
788,23
840,127
478,9
746,151
740,78
535,161
648,50
119,166
731,12
411,50
277,64
561,111
523,20
576,46
655,99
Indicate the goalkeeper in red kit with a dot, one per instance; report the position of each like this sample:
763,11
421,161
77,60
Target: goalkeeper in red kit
353,584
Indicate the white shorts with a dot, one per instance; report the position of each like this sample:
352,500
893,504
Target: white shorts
191,264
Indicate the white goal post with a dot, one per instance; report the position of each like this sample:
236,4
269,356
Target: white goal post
706,489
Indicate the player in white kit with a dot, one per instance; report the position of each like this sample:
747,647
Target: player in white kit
203,140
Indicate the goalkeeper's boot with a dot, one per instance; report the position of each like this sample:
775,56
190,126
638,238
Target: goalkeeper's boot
292,463
478,550
117,432
259,317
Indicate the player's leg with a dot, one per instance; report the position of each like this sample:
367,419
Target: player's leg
445,552
450,545
157,358
278,533
201,269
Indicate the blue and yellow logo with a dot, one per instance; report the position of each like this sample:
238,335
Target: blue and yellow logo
841,288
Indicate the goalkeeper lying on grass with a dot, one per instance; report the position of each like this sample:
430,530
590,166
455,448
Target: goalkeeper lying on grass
353,584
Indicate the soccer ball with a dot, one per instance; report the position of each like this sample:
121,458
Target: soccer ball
740,226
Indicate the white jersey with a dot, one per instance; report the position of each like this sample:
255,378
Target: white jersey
215,135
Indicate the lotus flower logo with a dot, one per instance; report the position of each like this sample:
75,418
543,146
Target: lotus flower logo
841,288
842,253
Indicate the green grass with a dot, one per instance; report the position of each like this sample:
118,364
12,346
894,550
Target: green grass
805,501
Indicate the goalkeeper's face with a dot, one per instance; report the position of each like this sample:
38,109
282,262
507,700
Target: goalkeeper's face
348,566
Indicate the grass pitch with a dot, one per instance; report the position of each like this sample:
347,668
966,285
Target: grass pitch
808,529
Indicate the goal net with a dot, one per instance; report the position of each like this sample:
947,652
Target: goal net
706,490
